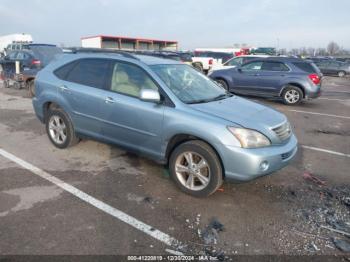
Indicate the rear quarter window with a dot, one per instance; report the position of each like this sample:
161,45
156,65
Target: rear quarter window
307,67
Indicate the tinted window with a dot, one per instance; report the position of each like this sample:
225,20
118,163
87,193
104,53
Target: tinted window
253,66
274,66
307,67
63,71
20,56
130,79
13,55
45,53
89,72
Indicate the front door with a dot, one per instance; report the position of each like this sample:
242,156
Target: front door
131,122
246,78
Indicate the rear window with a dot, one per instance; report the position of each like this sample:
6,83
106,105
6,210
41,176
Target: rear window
45,53
307,67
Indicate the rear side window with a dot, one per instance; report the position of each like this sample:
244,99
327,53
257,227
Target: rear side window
89,72
274,66
63,71
307,67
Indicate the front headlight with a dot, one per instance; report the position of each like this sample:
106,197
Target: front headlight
249,138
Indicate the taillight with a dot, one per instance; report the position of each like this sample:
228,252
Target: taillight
210,61
36,62
2,77
315,78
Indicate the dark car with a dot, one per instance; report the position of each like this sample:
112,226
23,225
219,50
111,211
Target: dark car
32,58
333,67
291,79
34,55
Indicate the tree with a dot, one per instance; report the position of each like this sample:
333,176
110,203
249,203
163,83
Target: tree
333,48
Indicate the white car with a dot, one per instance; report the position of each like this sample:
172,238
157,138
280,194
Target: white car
236,61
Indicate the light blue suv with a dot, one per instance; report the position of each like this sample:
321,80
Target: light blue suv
164,110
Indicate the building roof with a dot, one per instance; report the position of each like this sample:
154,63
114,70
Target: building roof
129,38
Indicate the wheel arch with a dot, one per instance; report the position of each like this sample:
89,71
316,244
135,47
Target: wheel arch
293,84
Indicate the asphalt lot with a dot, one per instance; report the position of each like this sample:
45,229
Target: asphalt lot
277,214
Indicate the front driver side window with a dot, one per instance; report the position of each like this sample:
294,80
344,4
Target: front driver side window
253,66
235,61
129,79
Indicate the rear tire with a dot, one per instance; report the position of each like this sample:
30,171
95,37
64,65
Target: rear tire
222,83
196,168
60,129
341,73
292,95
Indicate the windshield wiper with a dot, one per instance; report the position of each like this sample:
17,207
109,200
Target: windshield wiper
219,97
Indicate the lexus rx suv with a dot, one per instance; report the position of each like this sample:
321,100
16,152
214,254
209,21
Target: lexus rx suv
165,110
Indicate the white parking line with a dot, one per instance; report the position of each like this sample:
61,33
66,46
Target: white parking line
326,151
147,229
321,114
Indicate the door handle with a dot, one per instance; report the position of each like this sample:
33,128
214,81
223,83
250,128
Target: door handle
109,100
256,74
64,88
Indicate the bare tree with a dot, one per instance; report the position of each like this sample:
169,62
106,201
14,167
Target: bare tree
333,48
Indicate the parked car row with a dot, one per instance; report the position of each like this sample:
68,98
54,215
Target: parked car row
332,66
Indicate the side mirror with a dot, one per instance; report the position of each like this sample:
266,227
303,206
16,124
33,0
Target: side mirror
6,57
149,95
239,69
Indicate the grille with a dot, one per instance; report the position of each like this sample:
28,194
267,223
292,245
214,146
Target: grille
283,131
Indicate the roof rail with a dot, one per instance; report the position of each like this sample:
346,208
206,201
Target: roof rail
101,50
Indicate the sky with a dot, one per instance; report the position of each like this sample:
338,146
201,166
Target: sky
193,23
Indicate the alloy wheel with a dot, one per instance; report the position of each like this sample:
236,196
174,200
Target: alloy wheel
292,96
192,170
57,129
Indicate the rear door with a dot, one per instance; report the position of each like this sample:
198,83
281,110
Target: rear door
271,76
132,122
83,88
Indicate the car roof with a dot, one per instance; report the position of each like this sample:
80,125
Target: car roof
146,59
282,59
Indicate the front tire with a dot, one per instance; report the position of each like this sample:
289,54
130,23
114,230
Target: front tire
60,129
222,83
196,168
292,95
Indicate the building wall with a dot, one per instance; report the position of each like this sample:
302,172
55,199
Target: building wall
91,42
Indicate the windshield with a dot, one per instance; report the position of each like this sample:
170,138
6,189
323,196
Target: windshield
189,85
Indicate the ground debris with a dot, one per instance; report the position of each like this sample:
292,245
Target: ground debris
310,177
210,233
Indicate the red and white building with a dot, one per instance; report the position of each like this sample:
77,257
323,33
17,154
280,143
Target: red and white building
127,43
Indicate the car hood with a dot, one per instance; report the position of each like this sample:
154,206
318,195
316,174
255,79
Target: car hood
244,113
